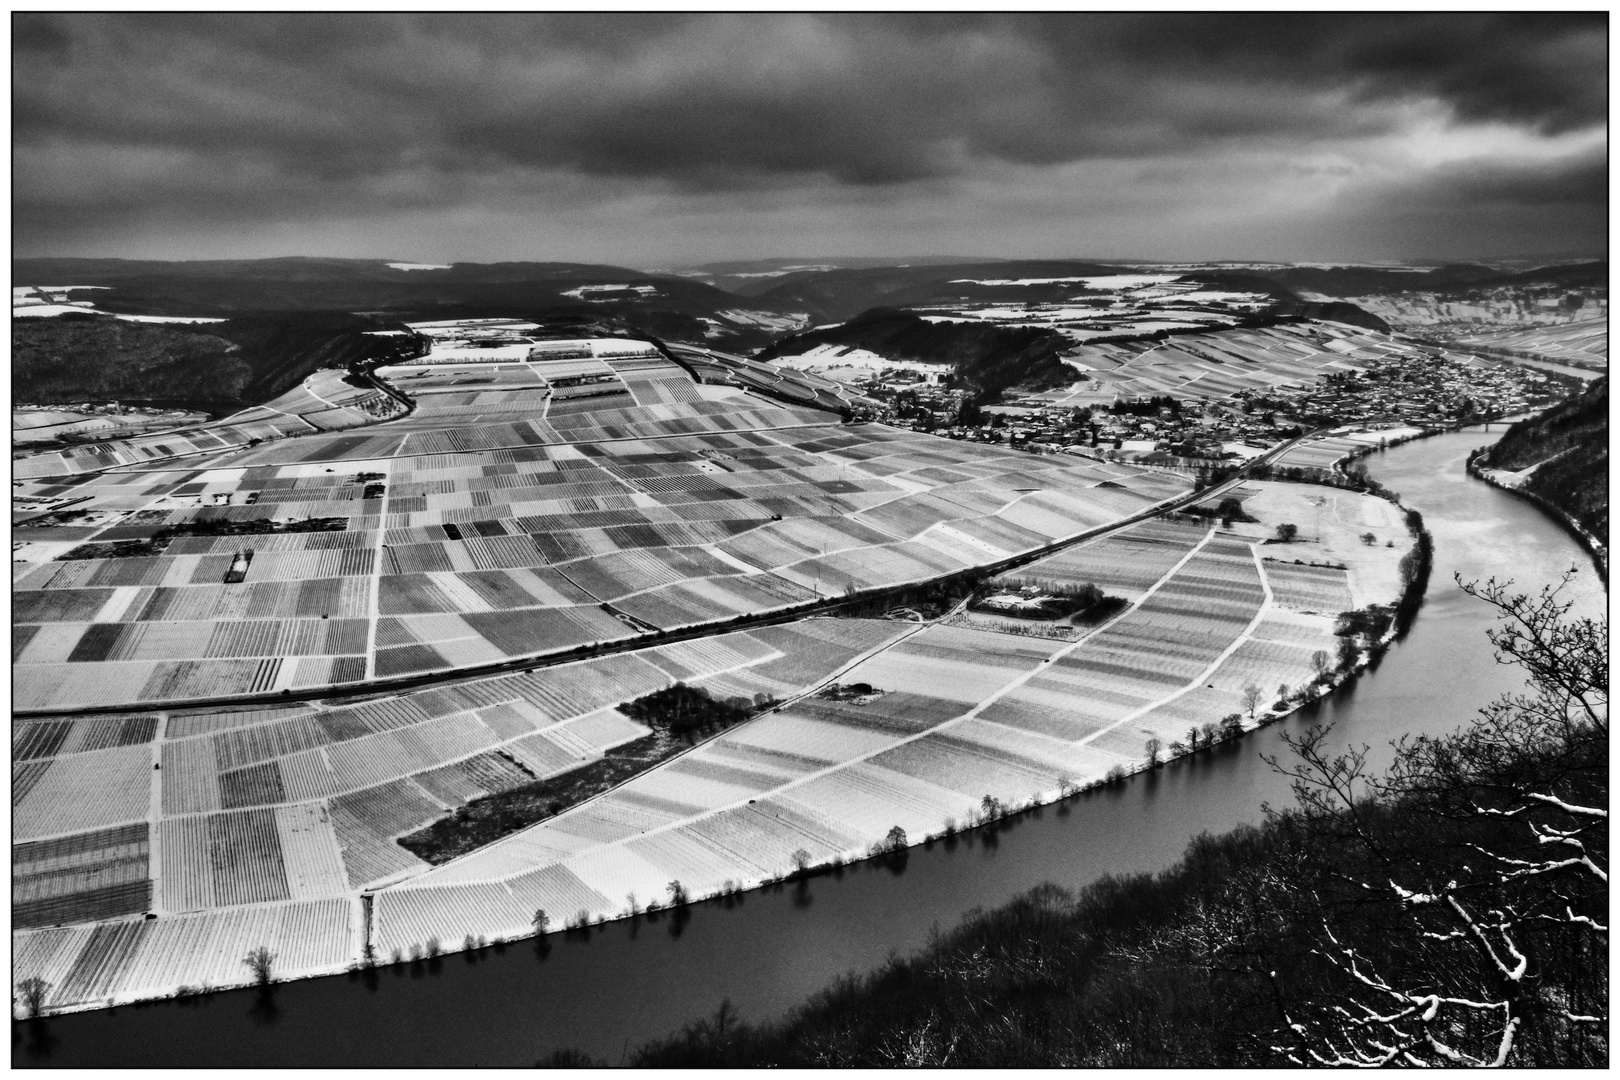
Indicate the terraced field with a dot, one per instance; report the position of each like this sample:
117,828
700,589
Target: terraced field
32,426
1322,453
1217,365
1583,344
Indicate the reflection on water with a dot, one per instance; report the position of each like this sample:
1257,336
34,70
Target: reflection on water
608,988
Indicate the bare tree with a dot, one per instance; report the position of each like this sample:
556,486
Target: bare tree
1476,933
259,961
1321,662
1153,747
32,990
1251,698
801,860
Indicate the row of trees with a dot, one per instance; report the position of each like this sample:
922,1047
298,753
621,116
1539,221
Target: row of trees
33,991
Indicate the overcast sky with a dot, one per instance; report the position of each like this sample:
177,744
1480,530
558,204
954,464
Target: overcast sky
650,140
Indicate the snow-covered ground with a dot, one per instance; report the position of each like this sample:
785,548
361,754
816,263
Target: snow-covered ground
770,320
43,311
444,327
166,318
582,293
842,363
28,301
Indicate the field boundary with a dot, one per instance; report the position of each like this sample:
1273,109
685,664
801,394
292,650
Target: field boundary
742,622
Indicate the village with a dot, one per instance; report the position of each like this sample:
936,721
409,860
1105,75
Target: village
1409,388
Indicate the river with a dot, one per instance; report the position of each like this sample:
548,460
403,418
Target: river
630,982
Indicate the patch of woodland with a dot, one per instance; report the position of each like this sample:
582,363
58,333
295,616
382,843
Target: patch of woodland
1570,441
678,715
216,367
158,542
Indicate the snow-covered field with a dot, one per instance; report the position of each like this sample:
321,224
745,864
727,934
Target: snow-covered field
842,361
585,292
46,301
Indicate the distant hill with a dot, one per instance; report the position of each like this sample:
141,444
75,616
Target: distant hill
983,356
842,294
669,307
1454,279
1570,276
218,367
750,277
1570,445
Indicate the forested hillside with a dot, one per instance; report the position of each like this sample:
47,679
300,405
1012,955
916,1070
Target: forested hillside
216,366
1570,445
665,306
985,357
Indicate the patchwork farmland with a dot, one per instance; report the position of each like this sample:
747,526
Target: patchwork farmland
588,494
602,497
35,425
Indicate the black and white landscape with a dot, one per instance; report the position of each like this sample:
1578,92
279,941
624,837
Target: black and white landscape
557,538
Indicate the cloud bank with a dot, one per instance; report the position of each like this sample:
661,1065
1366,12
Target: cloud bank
648,138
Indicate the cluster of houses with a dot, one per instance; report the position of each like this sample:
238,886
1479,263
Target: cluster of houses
1422,389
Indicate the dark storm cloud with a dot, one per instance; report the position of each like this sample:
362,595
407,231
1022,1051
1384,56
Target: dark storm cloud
1477,187
268,115
1547,70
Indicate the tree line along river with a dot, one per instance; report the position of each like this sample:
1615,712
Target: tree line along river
628,982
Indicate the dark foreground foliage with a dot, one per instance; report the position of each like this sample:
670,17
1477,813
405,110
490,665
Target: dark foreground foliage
1451,912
